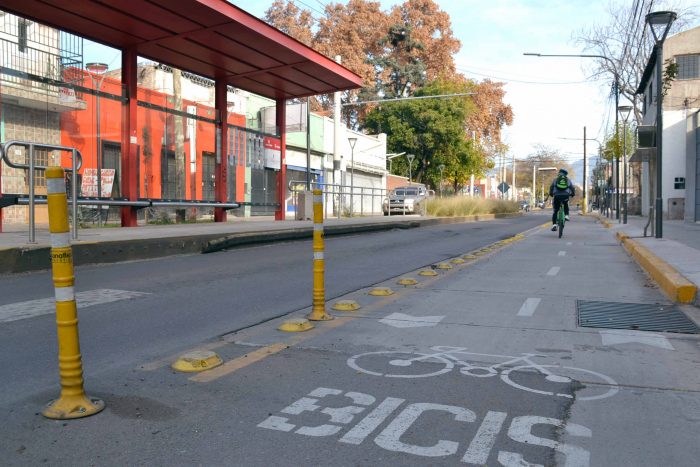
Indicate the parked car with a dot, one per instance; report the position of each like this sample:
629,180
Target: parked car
405,200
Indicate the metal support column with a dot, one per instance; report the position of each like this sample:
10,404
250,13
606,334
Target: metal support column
129,137
220,191
281,121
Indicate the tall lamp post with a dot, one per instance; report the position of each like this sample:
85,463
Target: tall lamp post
99,70
617,99
410,158
352,141
441,168
624,111
660,23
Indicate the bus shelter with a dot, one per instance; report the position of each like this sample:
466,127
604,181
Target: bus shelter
207,38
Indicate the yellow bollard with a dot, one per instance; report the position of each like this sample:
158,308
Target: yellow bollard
72,403
318,308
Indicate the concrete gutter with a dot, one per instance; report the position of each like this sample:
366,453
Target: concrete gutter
670,281
36,258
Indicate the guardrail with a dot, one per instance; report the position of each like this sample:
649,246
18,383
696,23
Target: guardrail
77,163
32,200
339,196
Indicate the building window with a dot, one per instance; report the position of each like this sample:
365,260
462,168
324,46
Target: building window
22,34
688,66
679,183
41,158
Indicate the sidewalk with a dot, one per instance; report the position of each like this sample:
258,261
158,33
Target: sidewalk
114,244
484,364
679,248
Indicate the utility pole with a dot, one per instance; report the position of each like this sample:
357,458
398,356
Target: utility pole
585,175
512,185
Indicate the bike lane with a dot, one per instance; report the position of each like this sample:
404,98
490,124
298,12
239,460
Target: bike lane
483,364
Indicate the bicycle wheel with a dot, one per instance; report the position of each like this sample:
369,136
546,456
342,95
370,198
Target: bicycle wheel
561,228
423,365
590,384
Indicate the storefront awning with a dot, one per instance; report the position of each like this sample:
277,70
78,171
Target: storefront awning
212,38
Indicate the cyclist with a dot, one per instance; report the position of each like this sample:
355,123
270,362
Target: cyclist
561,190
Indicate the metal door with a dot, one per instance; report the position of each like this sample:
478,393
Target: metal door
208,176
111,159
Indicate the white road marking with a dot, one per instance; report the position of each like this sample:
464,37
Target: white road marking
623,336
45,306
390,438
553,271
569,243
529,307
400,320
370,423
562,253
480,447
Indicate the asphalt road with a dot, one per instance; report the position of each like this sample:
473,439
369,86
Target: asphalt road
483,364
190,299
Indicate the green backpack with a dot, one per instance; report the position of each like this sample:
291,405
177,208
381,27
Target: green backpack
562,182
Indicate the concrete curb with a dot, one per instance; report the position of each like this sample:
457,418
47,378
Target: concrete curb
670,281
37,258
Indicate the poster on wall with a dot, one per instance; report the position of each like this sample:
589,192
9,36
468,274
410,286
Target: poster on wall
89,185
272,153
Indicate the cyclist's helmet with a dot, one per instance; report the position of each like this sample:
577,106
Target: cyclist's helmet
563,172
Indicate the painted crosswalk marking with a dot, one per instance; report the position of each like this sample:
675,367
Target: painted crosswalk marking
529,307
44,306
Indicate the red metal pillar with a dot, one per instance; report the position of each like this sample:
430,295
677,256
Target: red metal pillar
129,141
281,122
221,105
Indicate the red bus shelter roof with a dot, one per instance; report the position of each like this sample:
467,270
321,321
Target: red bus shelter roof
212,38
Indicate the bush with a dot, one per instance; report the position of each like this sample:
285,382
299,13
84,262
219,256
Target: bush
458,206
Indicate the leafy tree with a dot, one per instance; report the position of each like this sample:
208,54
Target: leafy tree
543,156
291,20
627,42
432,130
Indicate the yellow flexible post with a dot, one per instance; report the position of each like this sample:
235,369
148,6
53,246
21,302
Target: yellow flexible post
318,309
72,403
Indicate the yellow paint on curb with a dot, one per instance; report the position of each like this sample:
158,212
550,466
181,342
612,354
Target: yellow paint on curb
428,272
346,305
381,291
407,281
295,325
670,281
196,361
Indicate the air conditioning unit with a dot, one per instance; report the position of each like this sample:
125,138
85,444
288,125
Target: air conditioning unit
646,136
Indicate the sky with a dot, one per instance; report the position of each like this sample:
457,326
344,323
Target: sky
552,98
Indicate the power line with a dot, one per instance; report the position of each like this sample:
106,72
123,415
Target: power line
522,81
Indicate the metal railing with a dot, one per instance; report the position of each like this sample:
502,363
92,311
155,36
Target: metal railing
77,163
339,197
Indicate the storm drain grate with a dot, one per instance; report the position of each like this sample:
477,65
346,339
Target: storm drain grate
637,316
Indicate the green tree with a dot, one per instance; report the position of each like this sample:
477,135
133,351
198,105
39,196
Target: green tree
432,130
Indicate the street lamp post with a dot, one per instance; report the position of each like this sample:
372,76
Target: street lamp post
441,168
624,111
659,23
617,97
352,141
99,69
410,158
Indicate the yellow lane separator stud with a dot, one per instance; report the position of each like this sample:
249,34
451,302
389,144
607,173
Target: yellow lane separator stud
296,325
428,272
197,360
443,266
381,291
469,256
407,281
346,305
457,261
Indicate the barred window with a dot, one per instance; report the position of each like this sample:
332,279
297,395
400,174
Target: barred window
41,158
688,66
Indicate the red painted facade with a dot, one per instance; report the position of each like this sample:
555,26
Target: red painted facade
155,133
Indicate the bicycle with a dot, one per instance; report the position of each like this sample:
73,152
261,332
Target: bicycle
446,358
561,218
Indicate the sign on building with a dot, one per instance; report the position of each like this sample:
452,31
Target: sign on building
89,184
273,153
